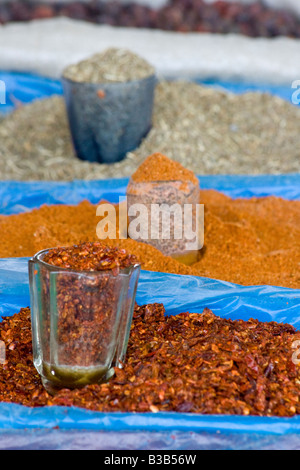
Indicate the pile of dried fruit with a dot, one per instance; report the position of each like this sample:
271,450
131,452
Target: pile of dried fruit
178,15
196,363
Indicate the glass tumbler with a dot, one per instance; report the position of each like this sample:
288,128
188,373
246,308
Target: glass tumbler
170,217
80,322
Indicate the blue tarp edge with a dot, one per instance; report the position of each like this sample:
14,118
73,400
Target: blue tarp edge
13,416
17,197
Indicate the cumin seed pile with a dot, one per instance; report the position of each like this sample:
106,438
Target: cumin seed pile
207,130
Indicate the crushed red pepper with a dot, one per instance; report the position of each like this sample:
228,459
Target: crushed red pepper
90,257
248,242
190,363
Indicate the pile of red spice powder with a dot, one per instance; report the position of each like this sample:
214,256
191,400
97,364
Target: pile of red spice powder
159,167
248,242
191,363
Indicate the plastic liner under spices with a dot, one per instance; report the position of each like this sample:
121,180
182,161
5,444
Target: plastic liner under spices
25,87
74,428
110,119
266,303
17,196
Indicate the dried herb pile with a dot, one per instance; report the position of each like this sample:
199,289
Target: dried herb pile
197,363
207,130
112,65
249,242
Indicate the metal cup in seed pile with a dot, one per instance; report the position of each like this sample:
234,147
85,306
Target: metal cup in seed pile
109,99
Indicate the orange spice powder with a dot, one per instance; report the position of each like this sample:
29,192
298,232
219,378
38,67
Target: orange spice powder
248,242
158,167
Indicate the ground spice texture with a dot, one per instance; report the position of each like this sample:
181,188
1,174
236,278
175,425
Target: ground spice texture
197,363
158,167
247,241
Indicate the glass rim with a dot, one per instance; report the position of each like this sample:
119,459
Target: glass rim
152,76
197,185
52,267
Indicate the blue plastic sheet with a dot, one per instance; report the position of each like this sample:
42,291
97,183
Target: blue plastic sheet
24,87
22,427
16,197
161,430
266,303
74,428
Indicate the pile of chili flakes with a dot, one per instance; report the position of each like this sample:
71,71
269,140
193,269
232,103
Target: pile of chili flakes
190,363
90,257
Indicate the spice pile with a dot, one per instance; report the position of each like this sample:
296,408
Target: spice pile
206,130
158,167
196,363
90,257
248,242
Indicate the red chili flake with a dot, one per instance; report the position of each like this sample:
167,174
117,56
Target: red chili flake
90,257
101,94
189,363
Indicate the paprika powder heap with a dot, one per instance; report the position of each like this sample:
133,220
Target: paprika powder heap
82,301
246,241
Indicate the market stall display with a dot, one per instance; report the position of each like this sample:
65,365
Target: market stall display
188,363
213,339
265,303
255,19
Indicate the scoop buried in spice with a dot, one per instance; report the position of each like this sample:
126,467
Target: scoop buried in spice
167,198
109,101
82,301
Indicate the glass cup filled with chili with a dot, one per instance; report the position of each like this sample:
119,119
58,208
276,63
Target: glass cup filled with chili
82,301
